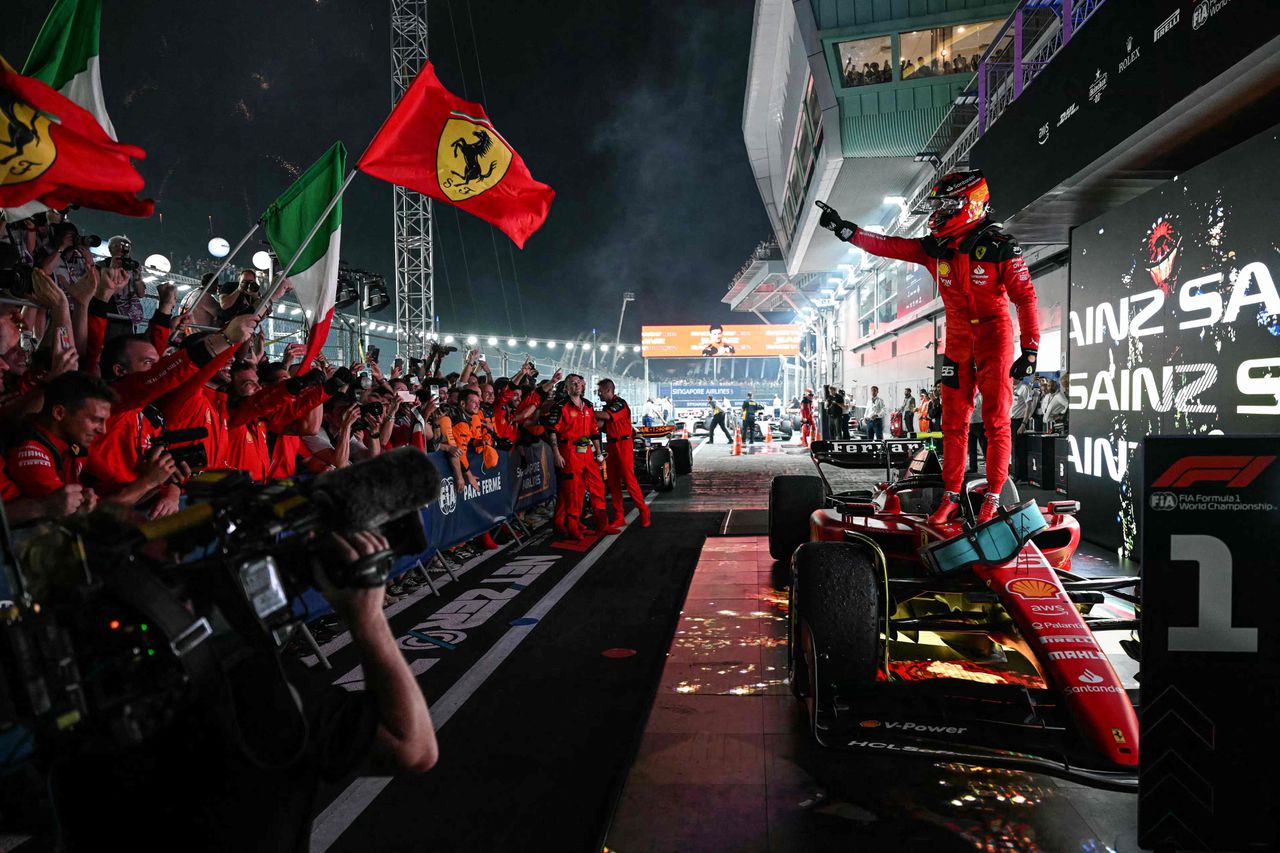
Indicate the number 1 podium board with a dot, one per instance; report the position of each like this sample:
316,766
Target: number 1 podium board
1210,688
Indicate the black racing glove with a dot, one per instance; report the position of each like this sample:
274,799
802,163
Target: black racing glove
1025,365
336,383
831,221
295,385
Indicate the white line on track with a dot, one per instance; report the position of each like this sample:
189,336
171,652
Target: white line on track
348,806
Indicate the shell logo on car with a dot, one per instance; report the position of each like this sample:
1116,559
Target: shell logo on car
1031,588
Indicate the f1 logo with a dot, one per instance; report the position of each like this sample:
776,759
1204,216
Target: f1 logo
1235,471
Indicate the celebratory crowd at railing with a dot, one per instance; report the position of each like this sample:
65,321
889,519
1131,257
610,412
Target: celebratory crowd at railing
102,404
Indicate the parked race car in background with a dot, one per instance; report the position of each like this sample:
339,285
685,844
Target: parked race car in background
660,458
963,642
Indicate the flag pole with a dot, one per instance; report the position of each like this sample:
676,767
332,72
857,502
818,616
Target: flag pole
204,289
264,306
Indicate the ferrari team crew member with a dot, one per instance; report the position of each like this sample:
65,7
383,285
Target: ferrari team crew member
76,409
977,267
620,461
808,429
573,433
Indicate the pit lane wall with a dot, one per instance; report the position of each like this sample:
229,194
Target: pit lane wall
1173,327
523,478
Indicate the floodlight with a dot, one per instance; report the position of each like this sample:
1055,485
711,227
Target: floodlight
262,260
159,263
219,247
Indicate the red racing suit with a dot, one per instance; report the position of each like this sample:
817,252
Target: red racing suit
808,430
575,426
976,279
620,460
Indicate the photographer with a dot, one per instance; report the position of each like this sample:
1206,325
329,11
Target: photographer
240,295
128,298
67,258
191,788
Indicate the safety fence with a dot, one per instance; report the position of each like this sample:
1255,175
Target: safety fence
523,478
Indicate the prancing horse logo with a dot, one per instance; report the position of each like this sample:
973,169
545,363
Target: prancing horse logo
26,149
471,157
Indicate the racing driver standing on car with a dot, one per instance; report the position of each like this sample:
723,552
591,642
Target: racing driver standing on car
977,267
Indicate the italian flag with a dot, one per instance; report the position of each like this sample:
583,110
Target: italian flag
65,56
291,217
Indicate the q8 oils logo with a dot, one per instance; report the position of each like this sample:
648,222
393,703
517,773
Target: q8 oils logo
27,151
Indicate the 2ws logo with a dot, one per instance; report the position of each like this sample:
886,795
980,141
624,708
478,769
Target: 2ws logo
1236,471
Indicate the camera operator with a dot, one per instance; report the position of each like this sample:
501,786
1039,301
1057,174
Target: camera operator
67,257
127,300
240,295
189,788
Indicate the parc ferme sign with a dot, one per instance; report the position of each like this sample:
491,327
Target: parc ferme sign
1210,688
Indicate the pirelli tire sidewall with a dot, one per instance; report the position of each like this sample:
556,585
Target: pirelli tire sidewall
662,469
792,499
682,456
837,599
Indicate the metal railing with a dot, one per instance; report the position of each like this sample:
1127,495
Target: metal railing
1007,67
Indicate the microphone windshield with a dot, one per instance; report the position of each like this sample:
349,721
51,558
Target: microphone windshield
367,495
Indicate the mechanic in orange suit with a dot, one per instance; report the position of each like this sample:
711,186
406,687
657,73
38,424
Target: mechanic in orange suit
620,461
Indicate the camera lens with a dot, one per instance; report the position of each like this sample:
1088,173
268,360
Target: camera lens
91,240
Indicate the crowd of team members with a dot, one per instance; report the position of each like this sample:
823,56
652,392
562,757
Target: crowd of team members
93,414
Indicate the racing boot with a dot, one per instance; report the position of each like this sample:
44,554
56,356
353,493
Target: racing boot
990,504
644,515
603,527
948,509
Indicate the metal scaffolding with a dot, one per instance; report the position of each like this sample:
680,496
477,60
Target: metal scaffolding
415,285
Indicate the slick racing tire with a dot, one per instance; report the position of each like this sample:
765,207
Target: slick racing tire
662,469
682,456
792,499
835,616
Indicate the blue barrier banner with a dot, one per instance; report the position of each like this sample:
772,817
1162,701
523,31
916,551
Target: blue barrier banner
461,515
537,475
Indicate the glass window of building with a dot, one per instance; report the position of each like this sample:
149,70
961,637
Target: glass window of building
865,62
804,153
946,50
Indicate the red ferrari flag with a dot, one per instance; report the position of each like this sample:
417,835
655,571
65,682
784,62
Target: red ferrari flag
444,147
55,152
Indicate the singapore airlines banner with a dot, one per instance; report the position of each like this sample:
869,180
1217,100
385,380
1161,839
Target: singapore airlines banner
1174,326
717,341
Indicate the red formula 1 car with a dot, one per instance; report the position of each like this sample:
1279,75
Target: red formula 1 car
957,643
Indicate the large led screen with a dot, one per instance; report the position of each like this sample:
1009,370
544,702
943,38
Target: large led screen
1174,325
717,341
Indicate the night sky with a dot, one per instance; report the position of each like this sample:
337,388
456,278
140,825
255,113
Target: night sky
632,112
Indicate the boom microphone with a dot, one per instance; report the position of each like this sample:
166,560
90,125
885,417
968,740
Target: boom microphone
367,495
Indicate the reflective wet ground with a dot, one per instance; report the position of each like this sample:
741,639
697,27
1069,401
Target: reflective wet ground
728,763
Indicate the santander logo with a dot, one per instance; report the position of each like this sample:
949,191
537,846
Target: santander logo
1088,677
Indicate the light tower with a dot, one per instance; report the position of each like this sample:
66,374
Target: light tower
415,286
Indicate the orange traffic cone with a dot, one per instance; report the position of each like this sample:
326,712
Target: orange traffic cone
768,433
737,441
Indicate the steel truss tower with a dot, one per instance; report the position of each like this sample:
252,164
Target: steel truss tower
415,285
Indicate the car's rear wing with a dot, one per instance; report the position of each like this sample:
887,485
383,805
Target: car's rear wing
888,454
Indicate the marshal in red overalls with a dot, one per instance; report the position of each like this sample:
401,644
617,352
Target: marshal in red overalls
575,426
620,460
